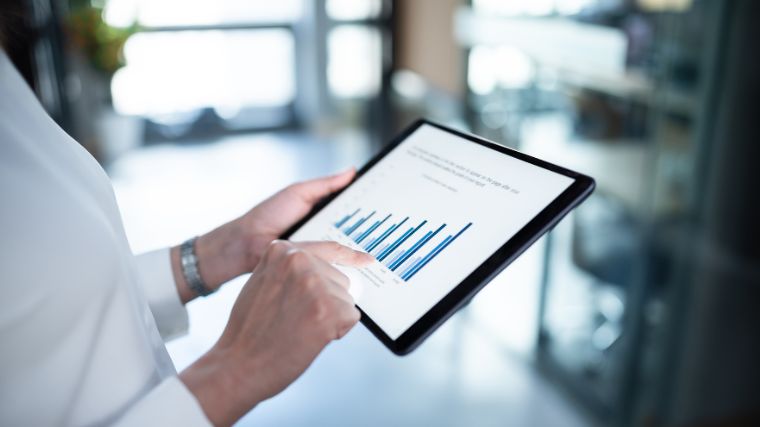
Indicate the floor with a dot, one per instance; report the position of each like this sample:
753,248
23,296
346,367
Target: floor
474,371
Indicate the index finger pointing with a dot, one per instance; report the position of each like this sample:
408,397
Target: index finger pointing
335,253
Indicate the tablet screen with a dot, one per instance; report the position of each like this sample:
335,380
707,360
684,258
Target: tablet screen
430,212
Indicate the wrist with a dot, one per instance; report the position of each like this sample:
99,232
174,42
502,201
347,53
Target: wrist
215,381
221,256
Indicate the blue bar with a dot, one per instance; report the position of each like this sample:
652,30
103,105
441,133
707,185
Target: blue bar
417,247
384,247
393,264
410,266
364,233
391,247
342,221
399,241
371,229
371,241
348,229
387,233
358,224
393,259
345,219
433,254
430,254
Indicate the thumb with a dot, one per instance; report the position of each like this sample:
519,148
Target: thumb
313,190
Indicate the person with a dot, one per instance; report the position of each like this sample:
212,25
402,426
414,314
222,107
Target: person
82,319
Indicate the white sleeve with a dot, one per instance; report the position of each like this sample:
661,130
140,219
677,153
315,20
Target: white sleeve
158,285
168,404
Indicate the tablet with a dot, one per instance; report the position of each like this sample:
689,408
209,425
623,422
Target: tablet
442,212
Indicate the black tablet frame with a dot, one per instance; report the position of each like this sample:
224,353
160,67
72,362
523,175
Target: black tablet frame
458,297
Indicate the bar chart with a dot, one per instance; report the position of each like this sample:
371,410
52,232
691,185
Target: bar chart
403,245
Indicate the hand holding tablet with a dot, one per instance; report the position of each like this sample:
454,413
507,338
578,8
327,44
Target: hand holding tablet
441,213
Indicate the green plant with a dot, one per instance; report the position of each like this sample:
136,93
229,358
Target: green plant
101,43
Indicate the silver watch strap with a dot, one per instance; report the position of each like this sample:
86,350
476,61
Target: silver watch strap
189,262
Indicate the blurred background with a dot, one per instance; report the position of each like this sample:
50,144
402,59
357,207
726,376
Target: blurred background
640,309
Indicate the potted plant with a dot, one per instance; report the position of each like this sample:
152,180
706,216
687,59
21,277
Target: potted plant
97,52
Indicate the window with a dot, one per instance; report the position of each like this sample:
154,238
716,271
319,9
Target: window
241,64
227,57
163,13
181,71
354,61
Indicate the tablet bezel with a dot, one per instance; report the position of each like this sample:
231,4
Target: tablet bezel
462,293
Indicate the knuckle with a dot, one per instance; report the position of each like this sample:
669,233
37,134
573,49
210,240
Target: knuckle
277,243
295,258
320,310
311,282
350,319
270,253
349,315
341,332
342,279
278,246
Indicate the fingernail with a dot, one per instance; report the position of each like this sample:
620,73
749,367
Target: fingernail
366,258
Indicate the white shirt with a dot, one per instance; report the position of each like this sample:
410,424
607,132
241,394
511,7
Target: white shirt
80,315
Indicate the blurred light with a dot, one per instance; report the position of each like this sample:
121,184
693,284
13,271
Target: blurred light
538,7
156,13
604,336
227,112
531,7
409,84
572,7
665,5
170,72
504,66
481,77
347,10
514,68
120,13
514,7
611,305
354,64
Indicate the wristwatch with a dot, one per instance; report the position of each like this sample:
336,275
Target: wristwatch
189,261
